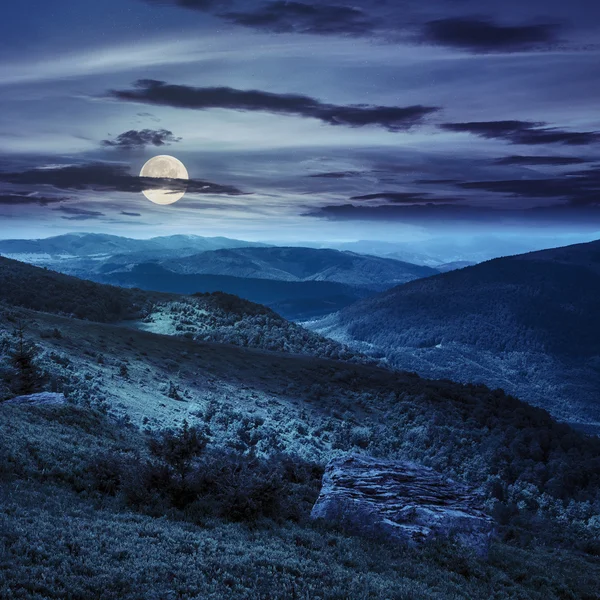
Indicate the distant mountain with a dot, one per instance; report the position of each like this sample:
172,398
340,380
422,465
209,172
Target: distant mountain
529,324
93,244
301,264
455,251
299,283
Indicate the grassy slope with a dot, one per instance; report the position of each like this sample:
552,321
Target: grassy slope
61,539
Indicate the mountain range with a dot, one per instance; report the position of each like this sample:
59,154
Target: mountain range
299,283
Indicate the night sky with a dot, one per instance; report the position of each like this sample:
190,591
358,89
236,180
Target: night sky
302,120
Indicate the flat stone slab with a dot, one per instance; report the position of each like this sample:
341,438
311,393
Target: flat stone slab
401,501
41,399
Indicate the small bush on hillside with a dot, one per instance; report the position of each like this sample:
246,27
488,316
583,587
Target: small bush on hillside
178,449
183,476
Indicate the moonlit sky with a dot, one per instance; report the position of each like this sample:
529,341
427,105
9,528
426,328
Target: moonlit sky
308,120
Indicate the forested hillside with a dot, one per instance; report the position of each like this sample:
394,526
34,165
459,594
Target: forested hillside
529,324
208,316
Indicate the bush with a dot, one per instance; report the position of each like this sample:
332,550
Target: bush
196,484
178,449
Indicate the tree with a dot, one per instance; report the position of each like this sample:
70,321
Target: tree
28,378
178,449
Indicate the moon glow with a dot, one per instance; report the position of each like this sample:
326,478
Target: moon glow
166,167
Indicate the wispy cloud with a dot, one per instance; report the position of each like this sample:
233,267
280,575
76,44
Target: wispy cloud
142,138
110,177
404,197
541,160
455,215
16,199
76,213
392,118
524,132
283,16
479,35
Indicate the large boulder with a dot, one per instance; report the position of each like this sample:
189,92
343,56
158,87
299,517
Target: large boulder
43,398
401,501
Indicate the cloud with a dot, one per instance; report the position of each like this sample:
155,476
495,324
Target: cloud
397,197
110,177
524,132
150,91
479,35
336,174
455,215
437,181
130,214
142,138
79,214
387,21
540,160
202,5
15,199
579,188
281,16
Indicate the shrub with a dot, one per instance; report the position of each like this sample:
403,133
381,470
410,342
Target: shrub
178,449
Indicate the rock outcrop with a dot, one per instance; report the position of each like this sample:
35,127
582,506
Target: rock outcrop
401,501
43,398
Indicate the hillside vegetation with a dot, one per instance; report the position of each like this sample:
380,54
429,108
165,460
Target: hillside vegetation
541,479
527,323
214,317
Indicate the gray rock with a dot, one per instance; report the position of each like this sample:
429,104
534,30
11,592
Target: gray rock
401,501
41,399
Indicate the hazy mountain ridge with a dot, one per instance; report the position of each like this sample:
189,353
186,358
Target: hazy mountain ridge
300,283
527,323
301,264
91,244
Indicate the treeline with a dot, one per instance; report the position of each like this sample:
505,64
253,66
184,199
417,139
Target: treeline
502,305
47,291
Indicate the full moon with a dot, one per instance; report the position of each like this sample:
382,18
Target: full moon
167,167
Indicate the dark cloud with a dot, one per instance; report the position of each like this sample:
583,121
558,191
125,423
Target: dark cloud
386,21
579,188
479,35
203,5
142,138
108,177
130,214
436,181
336,174
283,16
397,197
540,160
524,132
79,214
150,91
14,199
455,215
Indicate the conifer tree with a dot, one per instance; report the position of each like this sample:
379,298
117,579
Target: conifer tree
28,378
